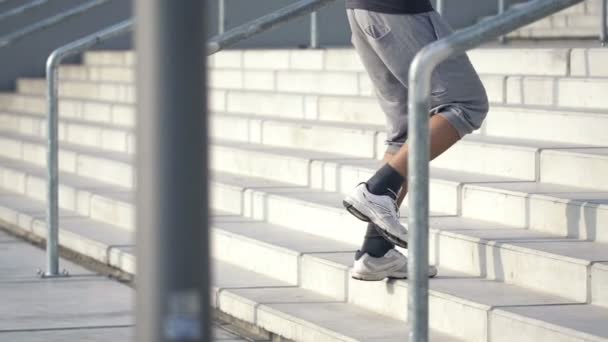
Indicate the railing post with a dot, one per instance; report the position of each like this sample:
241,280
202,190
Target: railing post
221,16
52,213
314,30
440,7
603,28
501,9
418,185
52,196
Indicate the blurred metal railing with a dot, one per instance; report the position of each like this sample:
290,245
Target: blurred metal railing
603,23
23,8
421,70
216,44
52,65
603,34
314,24
46,23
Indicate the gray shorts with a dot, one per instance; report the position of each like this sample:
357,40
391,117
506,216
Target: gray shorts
387,44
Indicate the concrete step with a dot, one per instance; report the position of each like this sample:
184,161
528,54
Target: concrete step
578,91
537,61
109,167
230,194
514,159
599,279
323,266
305,315
498,157
279,307
537,123
490,250
119,92
566,23
122,115
503,157
105,137
510,121
85,197
546,207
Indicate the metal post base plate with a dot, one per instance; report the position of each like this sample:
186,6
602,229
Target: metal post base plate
45,275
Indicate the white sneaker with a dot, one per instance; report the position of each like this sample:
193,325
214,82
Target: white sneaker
392,265
382,210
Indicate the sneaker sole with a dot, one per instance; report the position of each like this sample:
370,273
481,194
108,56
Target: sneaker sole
350,207
363,277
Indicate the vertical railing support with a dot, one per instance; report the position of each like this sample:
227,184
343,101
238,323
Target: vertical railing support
440,7
52,64
314,30
221,16
603,23
501,9
52,212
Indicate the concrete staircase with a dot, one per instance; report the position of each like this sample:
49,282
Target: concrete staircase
579,21
520,209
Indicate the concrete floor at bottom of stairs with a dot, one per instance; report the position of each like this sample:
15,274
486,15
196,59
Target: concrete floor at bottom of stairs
82,307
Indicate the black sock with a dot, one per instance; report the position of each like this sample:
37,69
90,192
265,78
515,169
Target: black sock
374,244
386,181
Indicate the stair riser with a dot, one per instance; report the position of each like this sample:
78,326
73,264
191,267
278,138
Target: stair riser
83,202
89,135
466,156
503,328
116,92
577,128
599,284
545,214
274,262
102,169
573,169
122,115
538,62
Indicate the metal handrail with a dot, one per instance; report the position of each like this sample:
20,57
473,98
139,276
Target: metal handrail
440,7
264,23
421,70
22,9
51,21
603,23
52,64
216,44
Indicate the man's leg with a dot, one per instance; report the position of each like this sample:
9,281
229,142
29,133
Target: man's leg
442,136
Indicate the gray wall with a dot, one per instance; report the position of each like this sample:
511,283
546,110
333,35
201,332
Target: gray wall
27,56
